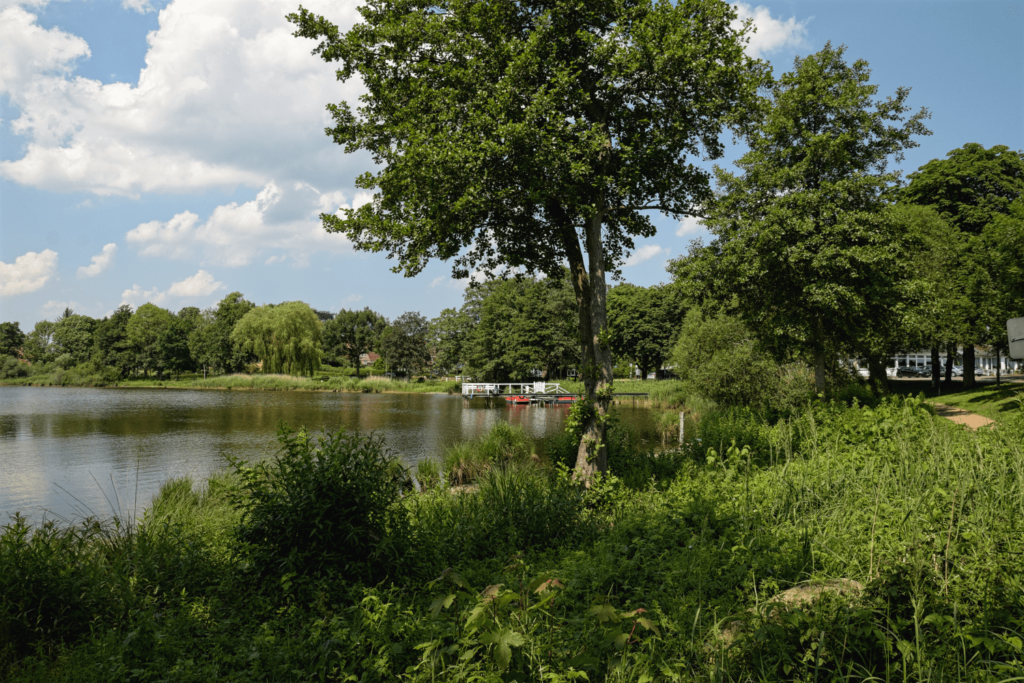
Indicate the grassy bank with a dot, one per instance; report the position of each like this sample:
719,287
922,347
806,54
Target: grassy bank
365,385
664,571
997,403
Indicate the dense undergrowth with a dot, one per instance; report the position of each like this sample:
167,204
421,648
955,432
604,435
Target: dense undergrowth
322,565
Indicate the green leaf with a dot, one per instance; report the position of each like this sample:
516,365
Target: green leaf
441,602
503,640
604,613
648,624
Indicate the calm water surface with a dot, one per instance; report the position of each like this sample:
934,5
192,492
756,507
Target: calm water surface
69,452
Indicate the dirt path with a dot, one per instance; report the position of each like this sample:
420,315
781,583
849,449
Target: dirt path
963,417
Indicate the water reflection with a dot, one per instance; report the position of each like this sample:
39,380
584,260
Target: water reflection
73,451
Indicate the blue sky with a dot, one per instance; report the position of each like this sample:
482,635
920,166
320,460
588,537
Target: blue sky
173,151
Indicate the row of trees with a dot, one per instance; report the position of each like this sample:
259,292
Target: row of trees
506,329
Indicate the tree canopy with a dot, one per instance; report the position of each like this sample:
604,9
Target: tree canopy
350,334
803,245
644,322
530,135
526,326
286,338
970,186
404,343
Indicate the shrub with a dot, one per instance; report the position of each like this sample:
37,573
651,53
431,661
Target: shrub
323,506
12,367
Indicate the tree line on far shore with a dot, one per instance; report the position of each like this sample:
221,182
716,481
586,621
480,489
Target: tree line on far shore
515,328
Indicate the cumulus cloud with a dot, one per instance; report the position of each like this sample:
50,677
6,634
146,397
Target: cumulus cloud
228,96
688,226
278,221
772,34
28,273
645,253
100,262
199,285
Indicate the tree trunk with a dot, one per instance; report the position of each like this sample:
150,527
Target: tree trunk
950,359
879,380
936,367
596,364
969,379
998,369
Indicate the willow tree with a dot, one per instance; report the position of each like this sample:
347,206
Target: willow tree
286,338
534,135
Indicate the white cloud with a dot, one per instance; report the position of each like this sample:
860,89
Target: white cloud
28,273
51,307
645,253
772,34
199,285
100,262
228,96
353,298
688,226
277,220
136,296
140,6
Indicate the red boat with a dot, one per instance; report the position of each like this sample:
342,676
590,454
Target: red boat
518,399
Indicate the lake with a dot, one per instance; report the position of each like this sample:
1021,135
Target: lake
68,452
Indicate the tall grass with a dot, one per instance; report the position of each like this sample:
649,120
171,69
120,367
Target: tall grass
503,444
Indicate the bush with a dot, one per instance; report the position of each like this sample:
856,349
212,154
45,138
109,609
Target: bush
718,358
323,506
12,367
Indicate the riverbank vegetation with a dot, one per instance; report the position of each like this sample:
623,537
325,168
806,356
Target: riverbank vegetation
323,564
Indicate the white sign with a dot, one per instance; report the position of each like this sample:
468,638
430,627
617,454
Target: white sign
1015,332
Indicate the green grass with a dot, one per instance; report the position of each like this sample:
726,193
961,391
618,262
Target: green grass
996,403
319,382
465,462
535,578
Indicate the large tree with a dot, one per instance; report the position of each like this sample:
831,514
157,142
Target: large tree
210,341
970,189
803,244
39,345
404,343
11,339
526,325
644,322
286,338
144,331
350,334
534,134
451,333
112,348
73,337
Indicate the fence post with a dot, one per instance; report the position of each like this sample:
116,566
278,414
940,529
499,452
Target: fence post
682,425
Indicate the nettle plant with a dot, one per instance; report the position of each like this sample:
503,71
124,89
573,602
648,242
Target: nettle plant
524,629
